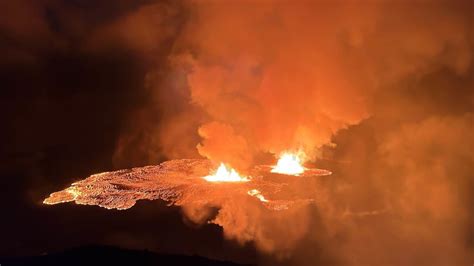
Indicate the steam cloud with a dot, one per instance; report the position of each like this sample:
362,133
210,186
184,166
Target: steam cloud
395,77
275,76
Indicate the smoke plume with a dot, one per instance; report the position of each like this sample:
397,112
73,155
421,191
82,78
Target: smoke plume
273,76
279,76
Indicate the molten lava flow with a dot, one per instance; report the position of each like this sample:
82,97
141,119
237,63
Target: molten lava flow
225,174
256,193
289,164
180,183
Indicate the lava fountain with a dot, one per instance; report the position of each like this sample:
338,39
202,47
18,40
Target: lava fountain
225,174
290,164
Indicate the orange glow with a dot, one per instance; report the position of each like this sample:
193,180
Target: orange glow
289,164
256,193
225,174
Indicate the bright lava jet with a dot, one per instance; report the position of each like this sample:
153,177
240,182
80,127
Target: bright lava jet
225,174
289,164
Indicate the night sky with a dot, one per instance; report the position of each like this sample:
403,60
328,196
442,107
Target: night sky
63,108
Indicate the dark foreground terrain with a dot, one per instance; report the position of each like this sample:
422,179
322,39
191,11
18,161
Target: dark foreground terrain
106,255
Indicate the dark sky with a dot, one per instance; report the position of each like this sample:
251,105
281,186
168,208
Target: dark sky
62,109
86,85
